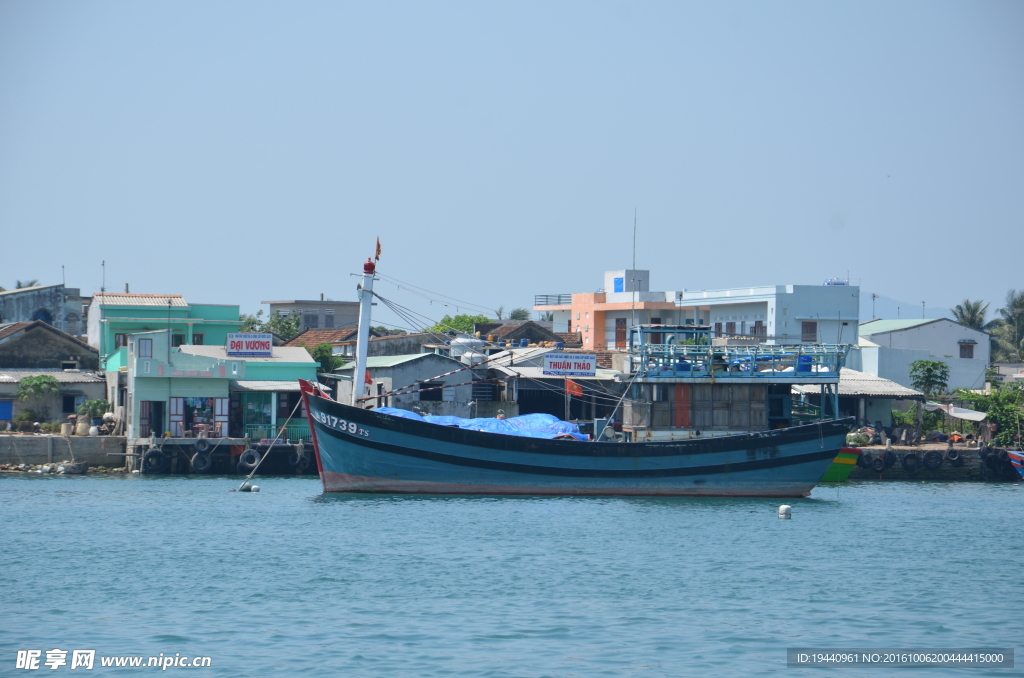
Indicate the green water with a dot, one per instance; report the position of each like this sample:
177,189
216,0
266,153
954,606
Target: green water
288,582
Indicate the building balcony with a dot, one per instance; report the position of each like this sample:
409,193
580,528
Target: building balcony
552,300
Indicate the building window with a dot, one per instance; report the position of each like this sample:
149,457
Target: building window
177,340
197,339
730,329
120,340
808,331
966,350
68,403
718,329
435,394
309,320
759,329
328,321
72,324
145,348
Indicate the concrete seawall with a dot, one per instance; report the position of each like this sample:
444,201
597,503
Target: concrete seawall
974,467
43,449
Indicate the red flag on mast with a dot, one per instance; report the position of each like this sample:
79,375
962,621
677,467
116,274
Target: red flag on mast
376,257
572,388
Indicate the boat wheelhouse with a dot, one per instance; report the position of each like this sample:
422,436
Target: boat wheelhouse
684,383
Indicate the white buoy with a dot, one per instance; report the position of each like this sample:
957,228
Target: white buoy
255,488
785,512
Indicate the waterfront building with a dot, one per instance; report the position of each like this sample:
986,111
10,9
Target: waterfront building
434,390
115,316
37,345
782,314
191,390
62,307
887,348
322,314
74,388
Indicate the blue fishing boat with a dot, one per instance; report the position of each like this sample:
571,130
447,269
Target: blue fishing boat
361,450
1017,460
692,453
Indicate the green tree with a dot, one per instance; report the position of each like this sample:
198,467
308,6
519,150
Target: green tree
929,376
1010,331
1004,406
287,327
519,314
972,314
460,323
382,331
499,313
324,354
549,315
38,389
22,284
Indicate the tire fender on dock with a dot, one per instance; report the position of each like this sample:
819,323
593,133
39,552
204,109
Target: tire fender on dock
249,459
202,462
878,464
910,462
933,460
154,461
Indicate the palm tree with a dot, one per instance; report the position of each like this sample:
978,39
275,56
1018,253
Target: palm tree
1010,333
22,284
972,314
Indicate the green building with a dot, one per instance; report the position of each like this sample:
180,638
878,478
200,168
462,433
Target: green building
203,390
112,317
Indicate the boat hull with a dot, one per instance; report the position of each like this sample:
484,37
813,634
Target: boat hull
363,451
1017,460
842,465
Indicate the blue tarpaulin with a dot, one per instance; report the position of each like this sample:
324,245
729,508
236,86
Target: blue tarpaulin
528,425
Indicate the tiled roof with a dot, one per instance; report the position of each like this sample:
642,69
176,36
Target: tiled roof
571,337
132,299
854,383
282,354
604,358
11,328
63,376
313,338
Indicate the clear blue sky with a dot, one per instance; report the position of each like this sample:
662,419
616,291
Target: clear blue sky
240,151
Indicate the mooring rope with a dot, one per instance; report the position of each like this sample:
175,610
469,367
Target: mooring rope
264,456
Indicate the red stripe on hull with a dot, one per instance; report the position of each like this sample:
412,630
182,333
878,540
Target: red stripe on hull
343,482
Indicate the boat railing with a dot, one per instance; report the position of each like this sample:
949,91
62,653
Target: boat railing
760,361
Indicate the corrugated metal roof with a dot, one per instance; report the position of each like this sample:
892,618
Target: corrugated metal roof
392,360
257,385
876,326
282,354
122,299
64,377
854,383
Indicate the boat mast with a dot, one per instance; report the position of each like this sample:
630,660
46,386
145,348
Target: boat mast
365,292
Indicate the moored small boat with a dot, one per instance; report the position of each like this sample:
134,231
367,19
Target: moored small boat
1017,460
842,465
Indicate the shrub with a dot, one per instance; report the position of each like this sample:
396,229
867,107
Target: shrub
93,408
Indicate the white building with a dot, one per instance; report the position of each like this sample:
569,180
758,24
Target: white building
887,348
782,313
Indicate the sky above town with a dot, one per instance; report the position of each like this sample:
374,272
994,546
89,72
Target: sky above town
236,152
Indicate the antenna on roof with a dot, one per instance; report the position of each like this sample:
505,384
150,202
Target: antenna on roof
632,311
873,297
63,279
103,287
